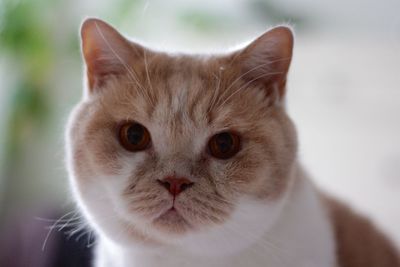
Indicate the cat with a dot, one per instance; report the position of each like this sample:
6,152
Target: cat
191,160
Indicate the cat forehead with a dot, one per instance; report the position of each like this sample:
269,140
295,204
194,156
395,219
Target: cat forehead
167,89
185,98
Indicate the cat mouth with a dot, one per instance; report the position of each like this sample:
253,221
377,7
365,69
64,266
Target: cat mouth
170,213
172,221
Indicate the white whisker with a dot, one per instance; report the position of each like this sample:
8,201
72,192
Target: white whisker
52,227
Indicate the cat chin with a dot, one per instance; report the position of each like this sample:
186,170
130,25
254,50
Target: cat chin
167,227
172,222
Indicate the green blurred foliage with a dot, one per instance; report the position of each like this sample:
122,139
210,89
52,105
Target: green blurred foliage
24,37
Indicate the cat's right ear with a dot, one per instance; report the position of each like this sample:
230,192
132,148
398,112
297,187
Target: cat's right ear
265,61
106,52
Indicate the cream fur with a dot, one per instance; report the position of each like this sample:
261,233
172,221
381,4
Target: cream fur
255,208
295,231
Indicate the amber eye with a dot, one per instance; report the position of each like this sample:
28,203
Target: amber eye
134,137
224,145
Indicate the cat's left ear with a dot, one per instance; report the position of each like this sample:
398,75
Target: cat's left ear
106,52
265,61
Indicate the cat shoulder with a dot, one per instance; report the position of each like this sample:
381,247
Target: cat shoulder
359,243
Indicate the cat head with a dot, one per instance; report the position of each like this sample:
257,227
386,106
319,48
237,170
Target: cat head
169,148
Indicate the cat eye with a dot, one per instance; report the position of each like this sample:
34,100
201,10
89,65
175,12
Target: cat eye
224,145
134,137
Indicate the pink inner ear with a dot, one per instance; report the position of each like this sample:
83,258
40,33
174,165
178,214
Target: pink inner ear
266,60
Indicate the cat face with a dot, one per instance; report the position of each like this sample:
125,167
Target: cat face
167,146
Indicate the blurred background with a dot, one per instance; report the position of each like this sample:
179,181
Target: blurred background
343,90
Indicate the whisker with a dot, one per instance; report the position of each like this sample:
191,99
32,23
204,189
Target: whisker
85,232
52,227
76,230
61,227
54,220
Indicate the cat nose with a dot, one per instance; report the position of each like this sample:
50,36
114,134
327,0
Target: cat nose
175,185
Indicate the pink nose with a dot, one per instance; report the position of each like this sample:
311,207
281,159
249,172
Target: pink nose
175,185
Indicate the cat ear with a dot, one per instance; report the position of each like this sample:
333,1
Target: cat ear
105,51
266,60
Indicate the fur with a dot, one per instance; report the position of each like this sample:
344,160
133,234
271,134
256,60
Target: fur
257,208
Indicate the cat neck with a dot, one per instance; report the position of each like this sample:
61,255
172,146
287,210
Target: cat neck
300,236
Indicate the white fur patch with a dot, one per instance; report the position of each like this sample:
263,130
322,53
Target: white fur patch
294,231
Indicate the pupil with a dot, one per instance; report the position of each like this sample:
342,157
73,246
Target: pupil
224,142
135,134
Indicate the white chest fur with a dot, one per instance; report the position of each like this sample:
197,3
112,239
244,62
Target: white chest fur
300,237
